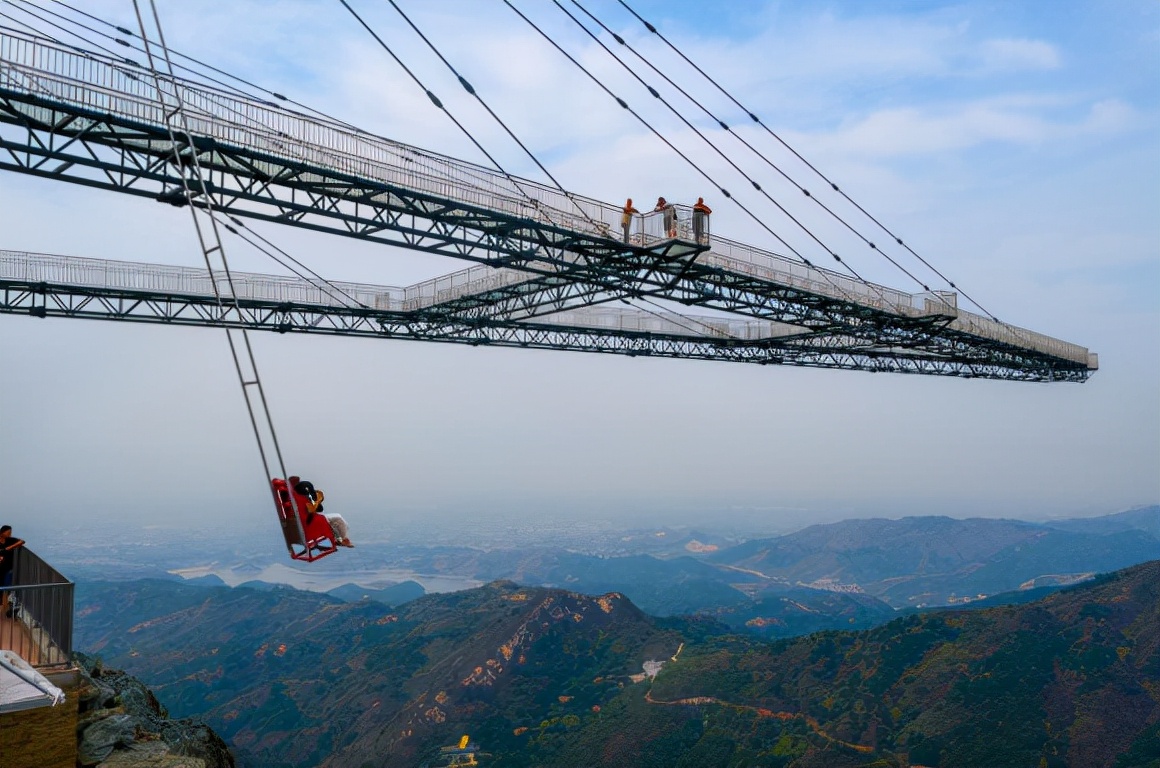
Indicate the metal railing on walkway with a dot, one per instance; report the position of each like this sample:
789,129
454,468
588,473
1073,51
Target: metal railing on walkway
38,622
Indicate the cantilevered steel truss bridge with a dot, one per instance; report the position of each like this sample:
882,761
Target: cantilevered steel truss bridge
548,263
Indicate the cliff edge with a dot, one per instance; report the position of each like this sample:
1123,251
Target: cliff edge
122,725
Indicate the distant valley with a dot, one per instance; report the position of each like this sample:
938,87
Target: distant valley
853,574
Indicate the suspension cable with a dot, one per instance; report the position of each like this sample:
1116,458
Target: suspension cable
471,90
481,181
439,105
246,234
32,29
737,136
212,68
624,105
118,40
281,257
714,147
59,27
808,164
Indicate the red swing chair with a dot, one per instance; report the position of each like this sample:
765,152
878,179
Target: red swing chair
308,534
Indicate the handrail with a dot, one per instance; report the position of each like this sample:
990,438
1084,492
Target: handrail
108,86
40,599
100,273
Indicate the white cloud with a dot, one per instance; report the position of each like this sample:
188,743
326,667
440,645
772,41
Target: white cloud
934,129
1109,117
1013,55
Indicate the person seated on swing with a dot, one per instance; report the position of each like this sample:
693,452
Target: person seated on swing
314,498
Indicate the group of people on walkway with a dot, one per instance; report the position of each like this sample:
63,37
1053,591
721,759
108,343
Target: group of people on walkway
668,218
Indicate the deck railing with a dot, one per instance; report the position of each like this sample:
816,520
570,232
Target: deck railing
39,622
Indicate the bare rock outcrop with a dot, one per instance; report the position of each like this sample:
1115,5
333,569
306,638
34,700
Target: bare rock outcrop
122,725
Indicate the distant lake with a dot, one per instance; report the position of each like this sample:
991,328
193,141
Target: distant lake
317,579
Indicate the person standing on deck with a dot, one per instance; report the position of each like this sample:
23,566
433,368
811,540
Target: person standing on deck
626,218
700,216
8,546
669,216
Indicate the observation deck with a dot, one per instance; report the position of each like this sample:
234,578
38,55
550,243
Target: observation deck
38,625
40,685
545,257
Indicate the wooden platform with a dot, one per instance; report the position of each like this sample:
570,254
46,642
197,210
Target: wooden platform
32,644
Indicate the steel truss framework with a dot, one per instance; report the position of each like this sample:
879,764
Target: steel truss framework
564,266
63,142
43,299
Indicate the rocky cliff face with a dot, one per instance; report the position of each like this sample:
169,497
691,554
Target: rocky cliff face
122,725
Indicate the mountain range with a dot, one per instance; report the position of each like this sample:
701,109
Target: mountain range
920,561
541,676
908,562
855,574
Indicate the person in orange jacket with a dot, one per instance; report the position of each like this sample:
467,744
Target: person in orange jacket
700,216
626,218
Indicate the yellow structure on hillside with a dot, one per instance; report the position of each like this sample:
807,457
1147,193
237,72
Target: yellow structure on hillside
464,753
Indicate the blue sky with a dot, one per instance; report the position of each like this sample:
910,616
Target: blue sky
1014,145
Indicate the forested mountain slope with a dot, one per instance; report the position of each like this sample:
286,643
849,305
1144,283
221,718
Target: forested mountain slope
546,677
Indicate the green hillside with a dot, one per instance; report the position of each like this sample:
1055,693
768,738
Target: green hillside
543,677
1070,680
289,677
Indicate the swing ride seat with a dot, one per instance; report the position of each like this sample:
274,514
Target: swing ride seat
308,536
